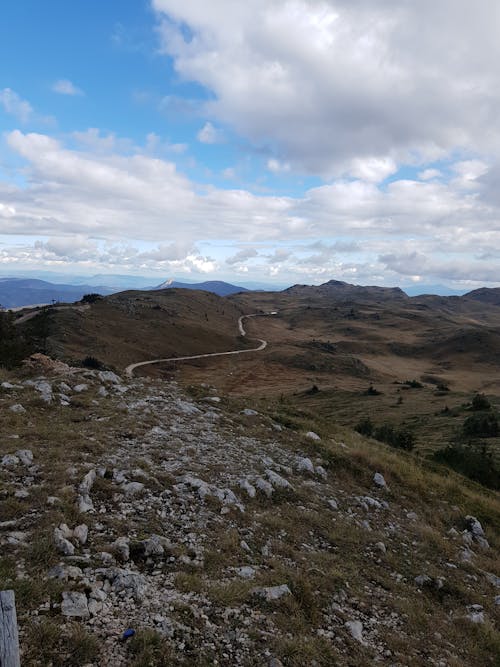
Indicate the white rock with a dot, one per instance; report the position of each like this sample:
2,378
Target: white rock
356,630
305,465
381,547
25,456
63,544
249,488
132,488
321,472
17,408
497,600
75,605
312,435
81,533
85,504
109,376
379,480
278,481
246,572
248,412
423,580
87,482
264,486
121,547
10,461
80,387
333,504
271,593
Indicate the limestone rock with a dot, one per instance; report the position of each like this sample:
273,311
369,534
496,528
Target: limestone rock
75,605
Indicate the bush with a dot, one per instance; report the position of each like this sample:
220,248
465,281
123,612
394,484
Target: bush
90,298
365,427
481,425
475,462
92,362
480,402
414,384
371,391
400,439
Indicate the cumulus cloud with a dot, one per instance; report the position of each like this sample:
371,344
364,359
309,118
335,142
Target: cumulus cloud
66,87
13,104
340,87
210,135
110,191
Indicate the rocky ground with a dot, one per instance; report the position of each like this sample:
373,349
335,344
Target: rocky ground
143,526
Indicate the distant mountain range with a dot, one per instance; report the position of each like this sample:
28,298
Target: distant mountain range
18,292
218,287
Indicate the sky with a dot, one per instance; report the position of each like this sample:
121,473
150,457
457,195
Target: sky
280,141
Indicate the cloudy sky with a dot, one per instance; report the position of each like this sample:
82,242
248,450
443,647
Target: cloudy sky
278,141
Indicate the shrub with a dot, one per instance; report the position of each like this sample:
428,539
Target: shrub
414,384
90,298
371,391
480,402
475,462
481,425
92,362
398,438
365,427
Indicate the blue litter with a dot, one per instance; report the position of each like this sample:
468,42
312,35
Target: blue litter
128,633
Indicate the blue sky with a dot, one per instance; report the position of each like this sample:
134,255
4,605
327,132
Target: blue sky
277,140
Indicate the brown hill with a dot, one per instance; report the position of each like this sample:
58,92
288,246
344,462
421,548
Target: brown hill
136,326
487,295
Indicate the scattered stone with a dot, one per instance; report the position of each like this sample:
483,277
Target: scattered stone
272,593
75,605
312,435
44,364
356,630
423,580
18,409
131,583
132,488
80,387
249,488
379,480
278,481
81,533
109,376
493,579
264,486
381,547
62,542
248,412
333,504
10,461
25,456
305,465
246,572
476,613
121,548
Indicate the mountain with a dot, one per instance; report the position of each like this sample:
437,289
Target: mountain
490,296
215,286
16,292
343,291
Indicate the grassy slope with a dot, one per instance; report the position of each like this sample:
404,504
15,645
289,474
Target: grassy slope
137,326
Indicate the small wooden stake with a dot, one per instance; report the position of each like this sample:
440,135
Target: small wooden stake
9,638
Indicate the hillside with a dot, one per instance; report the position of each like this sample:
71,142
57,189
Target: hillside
139,325
232,532
218,287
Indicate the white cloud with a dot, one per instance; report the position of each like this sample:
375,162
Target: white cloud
429,174
13,104
66,87
323,83
209,134
278,167
116,199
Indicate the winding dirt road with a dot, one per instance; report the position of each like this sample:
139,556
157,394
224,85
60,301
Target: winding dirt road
129,371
